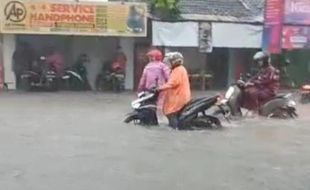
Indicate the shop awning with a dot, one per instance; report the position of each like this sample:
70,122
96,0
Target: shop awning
178,34
233,35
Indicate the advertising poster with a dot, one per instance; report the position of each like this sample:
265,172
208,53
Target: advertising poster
296,37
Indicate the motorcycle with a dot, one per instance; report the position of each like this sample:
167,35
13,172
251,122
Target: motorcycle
45,77
280,106
193,116
305,94
110,80
73,79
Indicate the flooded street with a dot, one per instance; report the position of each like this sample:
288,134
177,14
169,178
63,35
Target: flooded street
77,141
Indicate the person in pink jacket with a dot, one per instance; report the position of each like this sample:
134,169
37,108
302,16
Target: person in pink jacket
155,73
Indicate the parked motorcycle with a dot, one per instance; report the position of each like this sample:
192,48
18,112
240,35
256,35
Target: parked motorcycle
305,94
44,77
109,79
192,116
75,79
280,106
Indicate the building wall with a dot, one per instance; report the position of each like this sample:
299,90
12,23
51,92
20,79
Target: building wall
8,50
1,63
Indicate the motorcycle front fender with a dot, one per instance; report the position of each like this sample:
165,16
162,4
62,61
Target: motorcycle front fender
232,101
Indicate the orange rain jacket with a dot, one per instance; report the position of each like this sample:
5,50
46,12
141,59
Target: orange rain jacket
177,89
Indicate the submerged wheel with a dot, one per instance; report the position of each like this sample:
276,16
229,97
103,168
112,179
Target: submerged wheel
283,113
206,122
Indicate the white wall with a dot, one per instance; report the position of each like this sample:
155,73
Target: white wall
8,50
232,35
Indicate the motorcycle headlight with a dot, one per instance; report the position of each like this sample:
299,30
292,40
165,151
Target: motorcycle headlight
291,103
135,105
229,92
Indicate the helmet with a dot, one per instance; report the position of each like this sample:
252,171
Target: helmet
262,58
174,57
155,54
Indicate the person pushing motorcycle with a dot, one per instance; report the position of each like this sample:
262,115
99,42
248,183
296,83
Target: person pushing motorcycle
177,89
263,86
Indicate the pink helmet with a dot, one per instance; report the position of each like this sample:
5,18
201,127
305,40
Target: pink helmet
156,54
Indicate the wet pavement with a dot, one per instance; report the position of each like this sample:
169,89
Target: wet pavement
77,141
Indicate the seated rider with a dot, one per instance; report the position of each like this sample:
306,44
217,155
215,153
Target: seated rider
264,86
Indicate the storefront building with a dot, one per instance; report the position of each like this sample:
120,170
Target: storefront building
98,29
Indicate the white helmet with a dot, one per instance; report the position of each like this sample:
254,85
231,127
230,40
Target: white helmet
262,58
174,57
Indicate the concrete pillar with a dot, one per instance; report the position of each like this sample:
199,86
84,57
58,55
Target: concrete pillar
231,66
1,64
127,45
8,50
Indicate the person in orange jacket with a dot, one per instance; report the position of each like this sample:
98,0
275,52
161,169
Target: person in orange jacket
177,89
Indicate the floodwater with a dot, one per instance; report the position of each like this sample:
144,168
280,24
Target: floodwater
77,141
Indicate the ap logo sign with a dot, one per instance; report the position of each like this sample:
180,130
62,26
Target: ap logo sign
15,11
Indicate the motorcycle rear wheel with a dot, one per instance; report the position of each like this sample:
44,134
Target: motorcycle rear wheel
202,122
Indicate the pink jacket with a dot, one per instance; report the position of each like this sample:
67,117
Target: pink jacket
152,72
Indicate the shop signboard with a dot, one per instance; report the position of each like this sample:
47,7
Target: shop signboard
73,18
273,26
296,37
297,12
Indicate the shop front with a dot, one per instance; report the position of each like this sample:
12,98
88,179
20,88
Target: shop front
99,30
213,56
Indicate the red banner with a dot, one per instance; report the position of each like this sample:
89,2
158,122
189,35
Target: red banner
273,25
296,37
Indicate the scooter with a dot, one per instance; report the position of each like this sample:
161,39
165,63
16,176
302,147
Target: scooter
73,79
280,106
144,109
192,116
305,94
